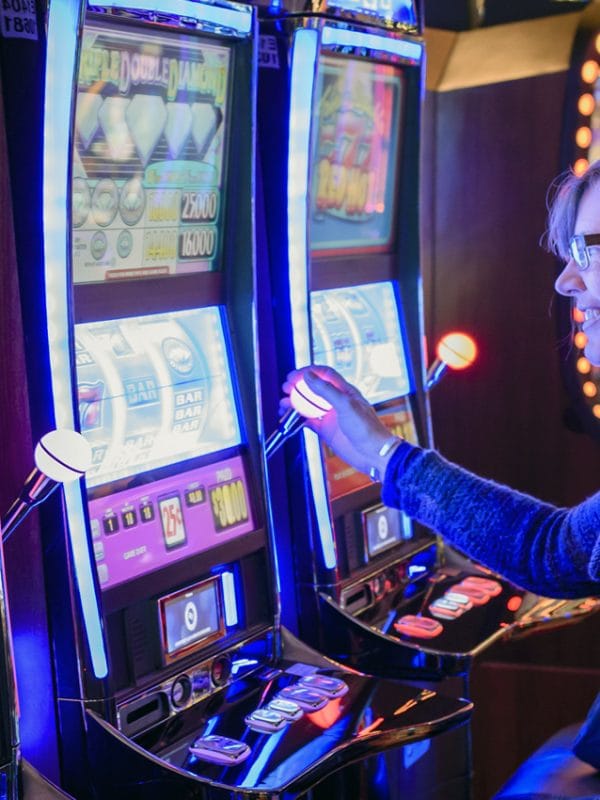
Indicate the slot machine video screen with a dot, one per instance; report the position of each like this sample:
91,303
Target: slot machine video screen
155,391
357,331
190,618
354,161
149,154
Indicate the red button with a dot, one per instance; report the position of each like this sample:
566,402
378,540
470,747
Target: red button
419,627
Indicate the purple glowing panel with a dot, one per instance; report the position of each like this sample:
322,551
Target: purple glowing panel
153,525
154,390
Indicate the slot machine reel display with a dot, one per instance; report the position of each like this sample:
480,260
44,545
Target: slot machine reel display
173,673
371,588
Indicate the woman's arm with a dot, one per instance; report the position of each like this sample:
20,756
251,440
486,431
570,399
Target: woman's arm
548,550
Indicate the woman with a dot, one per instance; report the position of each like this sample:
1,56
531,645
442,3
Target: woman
550,551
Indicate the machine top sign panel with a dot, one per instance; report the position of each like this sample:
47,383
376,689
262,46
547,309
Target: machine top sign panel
398,11
148,158
355,154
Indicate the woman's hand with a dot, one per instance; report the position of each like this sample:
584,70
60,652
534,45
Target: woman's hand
351,428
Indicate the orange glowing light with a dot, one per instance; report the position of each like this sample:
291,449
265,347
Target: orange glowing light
590,389
580,340
583,366
578,315
589,71
597,43
369,728
514,603
580,166
596,411
457,350
328,715
583,137
586,104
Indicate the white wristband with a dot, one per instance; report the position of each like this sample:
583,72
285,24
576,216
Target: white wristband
389,445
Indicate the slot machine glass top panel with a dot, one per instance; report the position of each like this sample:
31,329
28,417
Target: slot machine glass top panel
354,160
148,162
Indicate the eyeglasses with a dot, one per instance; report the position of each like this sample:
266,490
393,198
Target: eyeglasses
579,248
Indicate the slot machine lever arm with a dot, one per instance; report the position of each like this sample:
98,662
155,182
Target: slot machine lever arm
289,424
60,456
305,405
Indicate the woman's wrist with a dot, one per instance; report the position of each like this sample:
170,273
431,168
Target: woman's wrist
382,459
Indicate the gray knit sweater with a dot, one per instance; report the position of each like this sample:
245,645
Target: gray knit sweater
548,550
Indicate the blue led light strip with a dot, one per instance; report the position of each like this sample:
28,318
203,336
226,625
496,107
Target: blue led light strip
62,46
238,19
304,59
346,37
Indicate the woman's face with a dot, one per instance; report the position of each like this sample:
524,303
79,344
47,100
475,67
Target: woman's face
583,286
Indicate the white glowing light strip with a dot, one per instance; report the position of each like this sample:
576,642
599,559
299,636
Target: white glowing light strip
304,59
231,612
317,481
237,19
62,47
345,37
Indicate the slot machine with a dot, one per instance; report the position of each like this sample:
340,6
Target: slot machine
369,588
172,673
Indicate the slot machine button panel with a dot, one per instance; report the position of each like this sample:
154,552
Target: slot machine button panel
418,627
459,598
220,750
477,596
444,609
287,708
266,720
488,585
307,699
325,684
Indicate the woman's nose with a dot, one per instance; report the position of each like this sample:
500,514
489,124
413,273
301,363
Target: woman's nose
569,282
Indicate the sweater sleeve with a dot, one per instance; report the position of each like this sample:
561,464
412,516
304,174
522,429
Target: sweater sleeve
547,550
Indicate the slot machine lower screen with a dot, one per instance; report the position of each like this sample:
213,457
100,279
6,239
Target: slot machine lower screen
357,330
155,392
191,618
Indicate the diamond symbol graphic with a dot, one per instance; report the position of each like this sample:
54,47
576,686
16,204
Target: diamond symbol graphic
116,133
178,127
206,121
146,117
86,116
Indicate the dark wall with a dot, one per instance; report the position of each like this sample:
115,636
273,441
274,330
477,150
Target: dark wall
22,552
493,119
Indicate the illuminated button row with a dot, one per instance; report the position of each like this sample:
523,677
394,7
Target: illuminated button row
112,522
311,693
460,598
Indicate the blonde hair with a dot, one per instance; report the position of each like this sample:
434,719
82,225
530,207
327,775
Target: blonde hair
564,196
